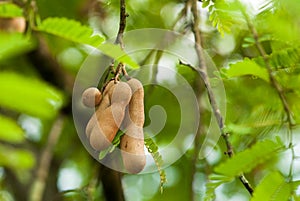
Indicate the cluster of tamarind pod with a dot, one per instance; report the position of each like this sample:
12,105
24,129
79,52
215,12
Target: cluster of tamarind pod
120,106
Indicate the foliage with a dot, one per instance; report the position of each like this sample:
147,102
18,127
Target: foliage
71,30
273,187
45,100
10,131
246,67
74,31
153,150
249,159
10,10
223,15
14,45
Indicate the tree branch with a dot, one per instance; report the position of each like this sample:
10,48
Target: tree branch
119,39
273,80
212,99
276,86
112,185
38,186
122,25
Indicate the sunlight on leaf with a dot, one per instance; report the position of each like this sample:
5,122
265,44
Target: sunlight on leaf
272,187
10,131
14,44
71,30
117,53
10,10
29,95
214,182
16,159
224,15
249,159
246,67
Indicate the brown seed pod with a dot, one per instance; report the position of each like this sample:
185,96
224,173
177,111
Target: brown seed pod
105,103
91,97
105,123
107,127
16,24
132,142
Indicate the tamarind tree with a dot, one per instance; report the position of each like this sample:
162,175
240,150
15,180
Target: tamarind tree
149,100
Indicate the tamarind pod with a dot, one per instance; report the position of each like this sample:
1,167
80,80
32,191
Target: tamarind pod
132,143
121,94
90,125
132,150
106,127
110,119
91,97
104,103
135,112
16,24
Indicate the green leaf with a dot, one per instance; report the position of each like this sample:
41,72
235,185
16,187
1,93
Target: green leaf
247,67
116,141
14,44
214,182
284,58
247,160
272,187
261,120
74,31
239,129
248,41
29,95
10,10
16,159
103,153
10,131
205,3
224,15
71,30
117,53
153,150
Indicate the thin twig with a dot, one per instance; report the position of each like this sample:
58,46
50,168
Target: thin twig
119,39
118,71
276,86
38,186
122,25
182,14
203,72
272,78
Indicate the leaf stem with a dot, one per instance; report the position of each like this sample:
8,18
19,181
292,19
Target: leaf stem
202,70
122,25
277,87
119,39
